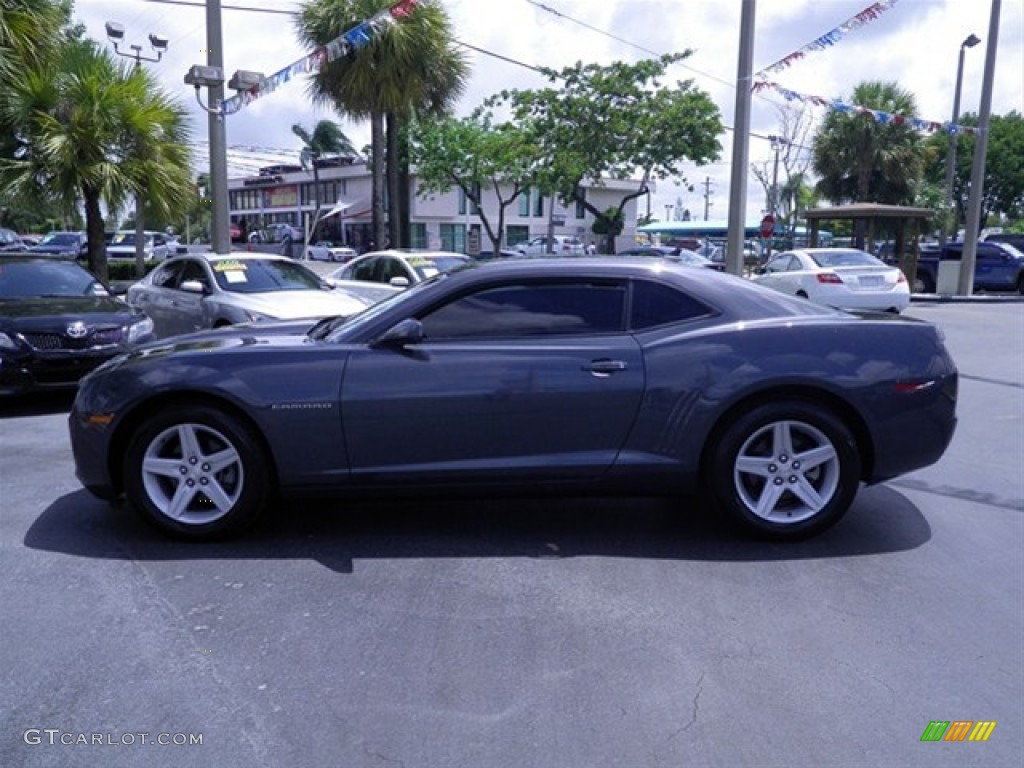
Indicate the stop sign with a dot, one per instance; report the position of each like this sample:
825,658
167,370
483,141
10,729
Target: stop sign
767,225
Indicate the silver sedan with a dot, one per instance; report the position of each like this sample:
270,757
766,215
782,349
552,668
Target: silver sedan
198,291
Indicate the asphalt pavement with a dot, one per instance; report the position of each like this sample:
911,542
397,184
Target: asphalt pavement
549,633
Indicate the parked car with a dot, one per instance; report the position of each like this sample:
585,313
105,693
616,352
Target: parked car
326,250
277,233
400,268
204,290
846,278
1016,239
590,375
998,266
681,255
10,242
155,246
563,245
66,245
57,323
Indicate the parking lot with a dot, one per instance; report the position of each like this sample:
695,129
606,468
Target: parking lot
538,632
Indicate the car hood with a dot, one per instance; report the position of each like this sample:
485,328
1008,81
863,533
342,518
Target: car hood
37,314
293,305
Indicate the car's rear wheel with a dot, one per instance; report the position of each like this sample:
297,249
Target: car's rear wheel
785,470
196,472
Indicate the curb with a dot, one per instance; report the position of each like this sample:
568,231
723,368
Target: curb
984,298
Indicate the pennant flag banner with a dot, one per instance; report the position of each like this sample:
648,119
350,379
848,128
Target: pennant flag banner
351,40
886,118
831,38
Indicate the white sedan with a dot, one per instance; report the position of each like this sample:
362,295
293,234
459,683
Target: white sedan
326,250
845,278
399,268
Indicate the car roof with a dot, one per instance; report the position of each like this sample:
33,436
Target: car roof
407,252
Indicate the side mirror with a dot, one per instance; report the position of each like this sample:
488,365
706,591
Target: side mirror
193,286
399,282
403,333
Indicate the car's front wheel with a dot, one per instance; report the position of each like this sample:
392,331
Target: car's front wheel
196,472
785,470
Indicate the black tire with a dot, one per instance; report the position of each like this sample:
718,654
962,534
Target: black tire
923,283
1020,285
762,449
227,473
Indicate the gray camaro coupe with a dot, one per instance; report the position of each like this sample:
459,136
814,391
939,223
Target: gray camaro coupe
564,375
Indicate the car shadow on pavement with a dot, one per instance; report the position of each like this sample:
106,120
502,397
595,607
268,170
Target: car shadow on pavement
36,404
340,534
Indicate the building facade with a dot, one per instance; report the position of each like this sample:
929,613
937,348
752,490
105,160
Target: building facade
285,194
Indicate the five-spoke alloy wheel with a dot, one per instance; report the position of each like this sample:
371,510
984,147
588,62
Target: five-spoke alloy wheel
786,470
196,472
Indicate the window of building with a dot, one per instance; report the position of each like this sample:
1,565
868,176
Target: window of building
538,203
516,233
418,234
453,237
524,203
581,212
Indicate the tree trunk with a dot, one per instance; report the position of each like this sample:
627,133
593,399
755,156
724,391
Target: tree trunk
316,201
94,234
394,189
377,142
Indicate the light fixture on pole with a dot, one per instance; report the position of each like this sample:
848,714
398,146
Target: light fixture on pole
970,41
212,78
115,33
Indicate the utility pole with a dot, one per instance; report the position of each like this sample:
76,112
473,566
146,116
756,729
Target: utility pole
220,235
707,196
965,285
778,143
740,142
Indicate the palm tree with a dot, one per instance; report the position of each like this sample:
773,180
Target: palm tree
401,69
327,138
861,159
29,33
94,131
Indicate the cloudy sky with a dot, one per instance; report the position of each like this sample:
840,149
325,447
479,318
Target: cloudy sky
915,43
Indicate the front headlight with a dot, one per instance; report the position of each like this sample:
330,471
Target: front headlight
140,329
6,342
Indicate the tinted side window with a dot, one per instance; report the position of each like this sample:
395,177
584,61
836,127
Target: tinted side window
167,275
193,270
656,304
530,310
364,270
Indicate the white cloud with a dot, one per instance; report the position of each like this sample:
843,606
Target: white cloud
915,43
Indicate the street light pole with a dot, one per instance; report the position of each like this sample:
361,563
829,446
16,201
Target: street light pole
773,198
115,33
969,42
220,233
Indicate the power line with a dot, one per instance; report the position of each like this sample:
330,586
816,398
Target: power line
251,9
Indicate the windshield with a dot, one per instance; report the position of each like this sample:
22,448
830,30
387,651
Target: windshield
850,258
59,238
428,266
264,276
29,279
331,330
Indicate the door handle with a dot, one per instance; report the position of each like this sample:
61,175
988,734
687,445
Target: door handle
604,367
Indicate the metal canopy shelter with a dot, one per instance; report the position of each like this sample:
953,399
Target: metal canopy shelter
872,214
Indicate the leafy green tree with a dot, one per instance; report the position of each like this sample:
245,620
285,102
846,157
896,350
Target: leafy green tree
615,121
326,139
93,132
1003,191
479,157
402,69
860,159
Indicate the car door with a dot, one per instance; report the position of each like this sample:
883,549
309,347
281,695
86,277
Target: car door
774,273
155,295
187,313
994,269
510,382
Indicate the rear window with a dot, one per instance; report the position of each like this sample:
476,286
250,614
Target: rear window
656,304
850,258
